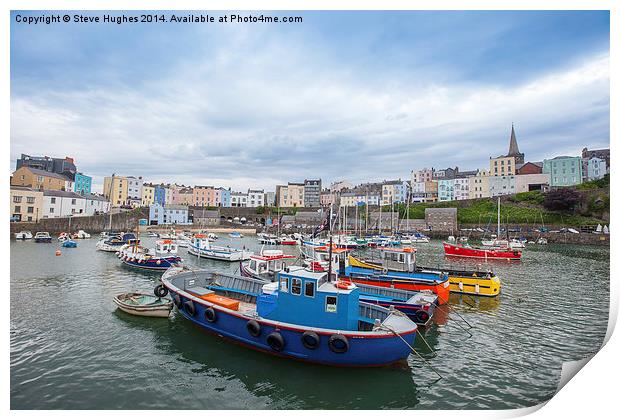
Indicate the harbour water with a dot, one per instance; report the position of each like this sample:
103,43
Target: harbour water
72,349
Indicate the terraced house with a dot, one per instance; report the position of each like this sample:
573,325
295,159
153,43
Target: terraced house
26,204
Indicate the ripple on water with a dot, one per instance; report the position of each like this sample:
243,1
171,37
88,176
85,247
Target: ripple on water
71,348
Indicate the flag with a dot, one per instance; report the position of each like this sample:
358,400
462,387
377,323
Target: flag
323,226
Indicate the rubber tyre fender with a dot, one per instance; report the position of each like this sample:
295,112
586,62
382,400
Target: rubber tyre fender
160,290
253,328
276,341
189,307
421,316
338,343
310,340
210,314
178,301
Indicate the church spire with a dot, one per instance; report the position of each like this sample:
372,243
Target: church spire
513,150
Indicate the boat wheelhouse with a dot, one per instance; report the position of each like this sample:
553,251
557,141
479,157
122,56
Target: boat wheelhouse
162,257
266,265
201,247
303,315
396,268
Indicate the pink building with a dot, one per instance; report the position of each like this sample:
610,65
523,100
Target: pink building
205,196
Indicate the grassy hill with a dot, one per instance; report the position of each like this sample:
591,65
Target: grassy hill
590,207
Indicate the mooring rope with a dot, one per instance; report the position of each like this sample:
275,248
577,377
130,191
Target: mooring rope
413,350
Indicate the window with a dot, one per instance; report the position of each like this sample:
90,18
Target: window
53,200
309,290
17,199
73,201
51,209
331,304
296,287
18,209
30,209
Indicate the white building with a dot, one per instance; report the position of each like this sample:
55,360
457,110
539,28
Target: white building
134,190
96,204
256,198
238,199
62,204
594,168
461,188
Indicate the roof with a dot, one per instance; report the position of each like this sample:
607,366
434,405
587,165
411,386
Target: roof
60,193
94,197
17,187
206,214
46,173
175,207
513,149
449,210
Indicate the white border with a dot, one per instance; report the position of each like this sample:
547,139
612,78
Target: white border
592,393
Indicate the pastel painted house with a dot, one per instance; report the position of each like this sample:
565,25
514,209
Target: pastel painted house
564,171
170,214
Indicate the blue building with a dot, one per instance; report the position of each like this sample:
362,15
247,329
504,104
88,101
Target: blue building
224,197
82,183
168,215
160,195
445,190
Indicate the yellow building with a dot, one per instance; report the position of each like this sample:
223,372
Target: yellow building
295,195
502,166
26,204
479,185
148,194
115,190
39,179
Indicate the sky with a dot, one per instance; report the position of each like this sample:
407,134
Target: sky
361,96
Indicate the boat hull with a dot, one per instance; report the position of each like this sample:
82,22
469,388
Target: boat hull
364,351
155,311
217,254
43,240
451,250
162,263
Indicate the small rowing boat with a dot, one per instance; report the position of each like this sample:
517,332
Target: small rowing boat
143,305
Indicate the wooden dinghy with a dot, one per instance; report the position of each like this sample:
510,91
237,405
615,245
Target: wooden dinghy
143,305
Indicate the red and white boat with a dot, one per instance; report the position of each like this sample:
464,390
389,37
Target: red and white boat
467,251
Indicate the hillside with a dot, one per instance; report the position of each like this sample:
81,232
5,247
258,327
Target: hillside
586,204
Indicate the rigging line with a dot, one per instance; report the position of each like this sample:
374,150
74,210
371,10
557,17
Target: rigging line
413,350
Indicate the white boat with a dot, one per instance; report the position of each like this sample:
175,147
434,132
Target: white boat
516,243
114,243
606,230
571,230
201,247
235,235
183,239
42,237
541,241
267,239
144,305
81,235
64,236
23,235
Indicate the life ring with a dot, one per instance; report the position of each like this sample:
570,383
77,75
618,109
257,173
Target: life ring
421,316
177,301
210,315
253,328
338,343
344,284
275,341
160,290
189,307
310,340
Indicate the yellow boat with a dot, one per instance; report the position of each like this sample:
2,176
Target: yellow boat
477,283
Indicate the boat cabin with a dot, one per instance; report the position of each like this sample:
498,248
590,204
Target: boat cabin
309,298
166,247
401,259
268,262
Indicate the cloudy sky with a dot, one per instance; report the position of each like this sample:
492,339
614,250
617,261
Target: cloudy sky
363,96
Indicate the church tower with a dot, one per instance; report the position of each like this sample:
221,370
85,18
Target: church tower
513,149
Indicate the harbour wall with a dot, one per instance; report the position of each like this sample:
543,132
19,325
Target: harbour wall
92,224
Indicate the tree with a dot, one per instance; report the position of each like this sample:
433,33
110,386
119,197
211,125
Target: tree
562,199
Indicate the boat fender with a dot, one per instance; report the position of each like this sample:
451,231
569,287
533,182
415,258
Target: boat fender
421,316
443,276
158,262
160,290
338,343
275,341
253,328
461,286
177,301
488,276
477,289
210,314
189,307
310,340
384,270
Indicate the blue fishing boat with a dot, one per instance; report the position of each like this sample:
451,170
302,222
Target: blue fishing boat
162,257
304,315
69,243
235,235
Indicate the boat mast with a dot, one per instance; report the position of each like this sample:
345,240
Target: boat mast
498,211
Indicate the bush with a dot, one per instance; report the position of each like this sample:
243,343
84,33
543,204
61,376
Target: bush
534,197
562,199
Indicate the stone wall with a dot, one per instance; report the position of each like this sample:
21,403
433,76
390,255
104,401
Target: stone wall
91,224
